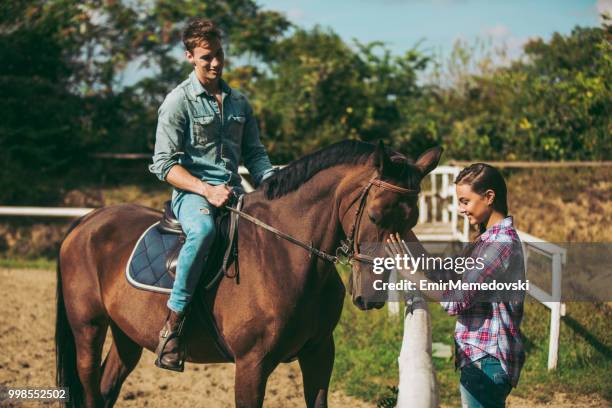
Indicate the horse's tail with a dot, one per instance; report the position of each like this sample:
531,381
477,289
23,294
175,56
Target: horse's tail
65,347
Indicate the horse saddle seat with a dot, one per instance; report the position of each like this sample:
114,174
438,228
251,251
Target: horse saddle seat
152,264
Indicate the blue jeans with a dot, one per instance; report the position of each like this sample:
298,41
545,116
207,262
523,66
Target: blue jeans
197,217
484,384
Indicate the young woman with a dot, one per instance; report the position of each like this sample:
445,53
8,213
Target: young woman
488,343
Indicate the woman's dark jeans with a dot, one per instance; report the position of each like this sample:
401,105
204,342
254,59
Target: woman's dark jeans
484,384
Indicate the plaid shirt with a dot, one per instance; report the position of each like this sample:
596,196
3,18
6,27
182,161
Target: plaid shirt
490,328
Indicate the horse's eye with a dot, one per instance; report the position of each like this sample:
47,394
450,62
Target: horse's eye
405,208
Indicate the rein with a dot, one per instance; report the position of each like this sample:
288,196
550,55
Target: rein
310,248
348,248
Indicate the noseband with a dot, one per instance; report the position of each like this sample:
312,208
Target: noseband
349,247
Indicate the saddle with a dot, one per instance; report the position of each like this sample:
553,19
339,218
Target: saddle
152,265
222,253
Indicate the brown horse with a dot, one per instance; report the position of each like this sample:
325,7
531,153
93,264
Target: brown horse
286,303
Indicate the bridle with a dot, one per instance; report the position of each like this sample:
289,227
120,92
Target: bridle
349,248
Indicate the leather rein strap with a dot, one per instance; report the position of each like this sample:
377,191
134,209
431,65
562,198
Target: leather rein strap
349,247
310,248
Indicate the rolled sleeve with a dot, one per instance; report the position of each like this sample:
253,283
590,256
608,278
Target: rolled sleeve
171,128
254,153
496,259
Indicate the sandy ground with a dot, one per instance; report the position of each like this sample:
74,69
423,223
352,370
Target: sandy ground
27,299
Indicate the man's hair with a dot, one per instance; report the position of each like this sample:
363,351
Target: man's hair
199,30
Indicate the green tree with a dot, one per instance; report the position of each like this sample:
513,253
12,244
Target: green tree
319,90
556,105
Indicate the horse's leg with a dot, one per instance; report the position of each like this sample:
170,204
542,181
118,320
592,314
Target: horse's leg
89,339
250,382
121,359
316,363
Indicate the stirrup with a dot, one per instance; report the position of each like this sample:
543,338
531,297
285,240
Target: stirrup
168,335
158,361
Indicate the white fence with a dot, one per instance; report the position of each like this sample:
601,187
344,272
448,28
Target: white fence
438,216
80,211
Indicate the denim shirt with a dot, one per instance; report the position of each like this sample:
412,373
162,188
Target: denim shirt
192,132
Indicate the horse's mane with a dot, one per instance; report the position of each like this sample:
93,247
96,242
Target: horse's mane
303,169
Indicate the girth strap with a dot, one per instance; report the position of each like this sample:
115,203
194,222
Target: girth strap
231,252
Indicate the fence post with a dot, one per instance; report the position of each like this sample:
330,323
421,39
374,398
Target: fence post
555,313
434,199
444,194
423,210
393,307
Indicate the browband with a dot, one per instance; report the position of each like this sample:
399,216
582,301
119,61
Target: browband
392,187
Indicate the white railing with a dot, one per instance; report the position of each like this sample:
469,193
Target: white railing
73,212
44,211
439,219
552,299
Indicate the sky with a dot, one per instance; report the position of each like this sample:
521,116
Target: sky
436,24
401,24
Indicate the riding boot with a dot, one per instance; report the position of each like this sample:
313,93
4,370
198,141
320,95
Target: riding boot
170,350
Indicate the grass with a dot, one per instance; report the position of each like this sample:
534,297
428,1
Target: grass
37,263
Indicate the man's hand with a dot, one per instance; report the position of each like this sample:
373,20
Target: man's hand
180,178
216,195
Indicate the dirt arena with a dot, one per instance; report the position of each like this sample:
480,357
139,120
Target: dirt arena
27,299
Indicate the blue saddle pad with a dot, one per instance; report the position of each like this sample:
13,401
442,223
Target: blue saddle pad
146,268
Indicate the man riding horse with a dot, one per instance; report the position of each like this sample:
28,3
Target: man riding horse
204,128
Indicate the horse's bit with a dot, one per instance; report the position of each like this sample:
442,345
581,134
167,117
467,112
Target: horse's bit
349,248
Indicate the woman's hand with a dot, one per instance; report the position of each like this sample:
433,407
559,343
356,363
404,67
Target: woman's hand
396,246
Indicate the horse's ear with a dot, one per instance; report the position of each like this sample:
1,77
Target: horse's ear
429,160
381,159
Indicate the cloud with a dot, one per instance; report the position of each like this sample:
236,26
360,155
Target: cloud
604,6
515,47
295,14
498,31
508,46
